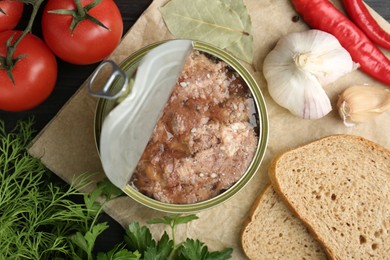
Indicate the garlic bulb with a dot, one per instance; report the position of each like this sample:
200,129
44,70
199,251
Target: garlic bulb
299,66
358,104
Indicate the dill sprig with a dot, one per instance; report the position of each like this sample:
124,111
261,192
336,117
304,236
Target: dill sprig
37,217
38,220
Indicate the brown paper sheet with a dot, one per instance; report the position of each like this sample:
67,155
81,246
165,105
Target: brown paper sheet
66,146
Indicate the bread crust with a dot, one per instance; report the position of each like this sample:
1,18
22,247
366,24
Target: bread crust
250,217
276,181
288,233
278,190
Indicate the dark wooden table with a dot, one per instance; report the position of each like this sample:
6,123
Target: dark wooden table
70,77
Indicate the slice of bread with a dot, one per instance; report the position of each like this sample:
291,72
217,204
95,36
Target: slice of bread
339,186
272,232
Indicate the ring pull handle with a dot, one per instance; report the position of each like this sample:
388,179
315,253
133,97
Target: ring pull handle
105,91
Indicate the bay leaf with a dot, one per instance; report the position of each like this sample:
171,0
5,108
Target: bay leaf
243,49
221,23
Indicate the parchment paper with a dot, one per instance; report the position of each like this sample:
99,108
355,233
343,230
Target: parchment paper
67,147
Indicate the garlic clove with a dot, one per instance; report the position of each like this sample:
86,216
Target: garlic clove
361,103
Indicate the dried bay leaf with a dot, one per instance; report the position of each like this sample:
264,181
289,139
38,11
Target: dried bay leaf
225,24
243,49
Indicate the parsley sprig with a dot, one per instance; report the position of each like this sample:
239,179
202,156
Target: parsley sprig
140,238
39,220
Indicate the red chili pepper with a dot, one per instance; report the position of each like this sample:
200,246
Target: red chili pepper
360,15
323,15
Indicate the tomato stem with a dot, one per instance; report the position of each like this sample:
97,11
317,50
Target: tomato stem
80,9
9,61
80,14
36,4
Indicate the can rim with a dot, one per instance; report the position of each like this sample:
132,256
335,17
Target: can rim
251,170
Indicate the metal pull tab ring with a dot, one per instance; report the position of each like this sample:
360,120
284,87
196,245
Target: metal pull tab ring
105,92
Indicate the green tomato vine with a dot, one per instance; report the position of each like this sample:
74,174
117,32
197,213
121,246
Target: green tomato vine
8,62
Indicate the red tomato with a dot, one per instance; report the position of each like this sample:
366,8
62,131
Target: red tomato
12,12
34,75
89,42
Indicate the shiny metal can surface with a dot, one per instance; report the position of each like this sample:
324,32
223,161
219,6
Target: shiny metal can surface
129,67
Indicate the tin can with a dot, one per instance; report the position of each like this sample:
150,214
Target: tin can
127,69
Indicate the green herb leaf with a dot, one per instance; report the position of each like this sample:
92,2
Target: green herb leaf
162,251
220,255
173,220
139,238
90,202
194,249
119,254
93,233
79,240
87,242
108,189
36,217
225,24
39,221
